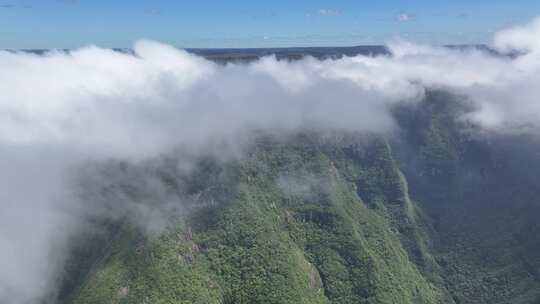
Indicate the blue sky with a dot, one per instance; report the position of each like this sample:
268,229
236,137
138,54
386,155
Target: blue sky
202,23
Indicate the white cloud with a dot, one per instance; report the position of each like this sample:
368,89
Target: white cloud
520,38
405,17
328,12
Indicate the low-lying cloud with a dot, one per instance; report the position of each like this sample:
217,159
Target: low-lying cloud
61,110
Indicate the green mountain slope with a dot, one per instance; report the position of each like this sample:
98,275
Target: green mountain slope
436,214
308,222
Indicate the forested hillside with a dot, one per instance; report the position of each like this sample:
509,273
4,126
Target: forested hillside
437,212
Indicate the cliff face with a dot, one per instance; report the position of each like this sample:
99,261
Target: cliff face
435,214
481,192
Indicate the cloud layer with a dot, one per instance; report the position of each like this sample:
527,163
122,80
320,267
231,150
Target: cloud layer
61,110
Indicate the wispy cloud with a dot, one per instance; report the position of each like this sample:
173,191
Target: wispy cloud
405,17
70,2
152,11
11,5
328,12
463,16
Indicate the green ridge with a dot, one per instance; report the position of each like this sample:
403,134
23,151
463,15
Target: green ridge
436,214
295,231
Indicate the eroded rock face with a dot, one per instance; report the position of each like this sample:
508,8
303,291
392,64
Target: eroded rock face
123,292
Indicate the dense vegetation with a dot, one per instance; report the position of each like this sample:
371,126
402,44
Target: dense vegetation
435,214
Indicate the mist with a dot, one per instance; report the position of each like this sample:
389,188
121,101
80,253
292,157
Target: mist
60,112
